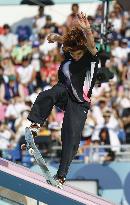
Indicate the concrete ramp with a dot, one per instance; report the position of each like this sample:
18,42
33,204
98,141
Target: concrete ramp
22,180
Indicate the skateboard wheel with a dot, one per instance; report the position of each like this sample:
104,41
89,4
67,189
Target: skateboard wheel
31,151
23,147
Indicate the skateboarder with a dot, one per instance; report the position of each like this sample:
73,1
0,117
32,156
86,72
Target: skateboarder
80,63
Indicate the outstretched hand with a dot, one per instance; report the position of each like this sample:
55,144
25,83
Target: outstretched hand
54,37
83,21
51,37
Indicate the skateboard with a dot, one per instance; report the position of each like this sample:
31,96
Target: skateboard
33,150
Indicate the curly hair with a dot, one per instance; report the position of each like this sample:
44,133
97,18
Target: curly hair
74,40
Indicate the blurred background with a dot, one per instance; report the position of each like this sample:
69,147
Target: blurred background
29,65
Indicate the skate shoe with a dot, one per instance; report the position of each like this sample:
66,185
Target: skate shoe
34,128
60,181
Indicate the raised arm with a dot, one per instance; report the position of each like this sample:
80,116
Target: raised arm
84,24
54,37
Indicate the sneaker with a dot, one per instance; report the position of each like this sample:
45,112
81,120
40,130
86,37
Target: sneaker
60,180
34,128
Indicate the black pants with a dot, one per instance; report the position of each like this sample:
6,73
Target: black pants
73,123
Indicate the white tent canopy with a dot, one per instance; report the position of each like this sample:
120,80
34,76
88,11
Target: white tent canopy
18,2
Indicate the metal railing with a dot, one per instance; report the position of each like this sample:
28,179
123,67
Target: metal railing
99,151
92,153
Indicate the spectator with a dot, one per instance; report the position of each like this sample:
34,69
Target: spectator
105,140
116,21
91,20
99,14
11,89
26,74
36,56
2,51
115,66
126,71
22,49
88,128
124,97
55,129
40,19
1,75
20,124
37,62
53,81
8,39
112,124
52,25
97,109
23,30
6,135
9,67
48,70
72,16
100,154
114,91
44,141
121,51
118,10
14,109
126,121
87,134
34,35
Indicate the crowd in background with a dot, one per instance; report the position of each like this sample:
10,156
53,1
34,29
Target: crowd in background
29,65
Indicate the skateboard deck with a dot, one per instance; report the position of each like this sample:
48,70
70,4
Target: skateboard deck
33,150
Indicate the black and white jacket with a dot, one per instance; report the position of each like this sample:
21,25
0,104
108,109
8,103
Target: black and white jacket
77,74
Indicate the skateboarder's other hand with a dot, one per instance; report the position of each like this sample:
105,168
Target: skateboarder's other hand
52,37
83,21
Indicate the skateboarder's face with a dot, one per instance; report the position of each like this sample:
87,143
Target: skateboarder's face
76,55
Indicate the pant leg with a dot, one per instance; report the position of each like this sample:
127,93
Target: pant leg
45,101
73,124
